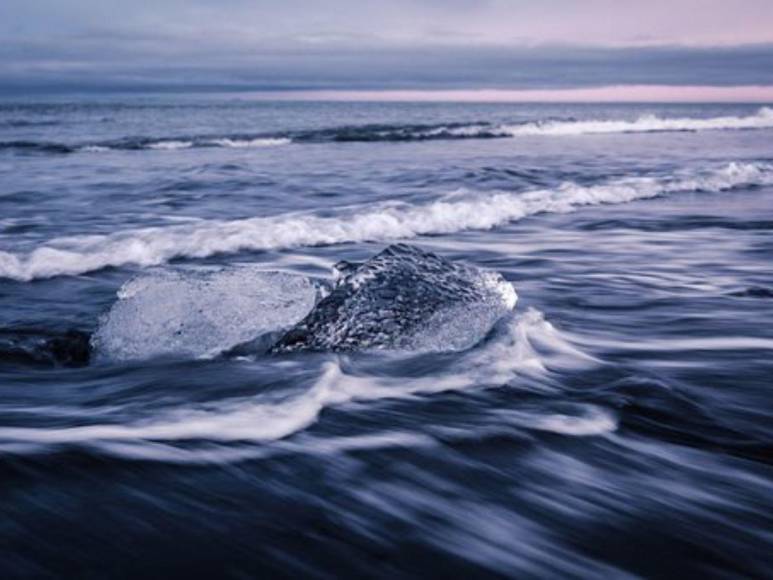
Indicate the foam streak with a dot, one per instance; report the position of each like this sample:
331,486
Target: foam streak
158,245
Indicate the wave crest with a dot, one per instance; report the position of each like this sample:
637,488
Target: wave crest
762,119
525,345
157,245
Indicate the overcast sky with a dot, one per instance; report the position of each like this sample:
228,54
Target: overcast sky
384,44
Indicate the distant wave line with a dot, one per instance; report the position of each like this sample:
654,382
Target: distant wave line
762,119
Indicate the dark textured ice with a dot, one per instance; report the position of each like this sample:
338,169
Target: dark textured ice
403,298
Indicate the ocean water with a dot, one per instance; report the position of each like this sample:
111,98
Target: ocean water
618,423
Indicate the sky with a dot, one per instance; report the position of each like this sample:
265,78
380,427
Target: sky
401,46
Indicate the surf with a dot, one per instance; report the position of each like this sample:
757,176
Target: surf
461,211
397,132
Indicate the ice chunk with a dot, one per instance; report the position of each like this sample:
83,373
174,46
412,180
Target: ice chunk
200,313
405,299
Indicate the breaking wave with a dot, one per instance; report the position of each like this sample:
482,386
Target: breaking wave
526,346
144,143
157,245
233,143
762,119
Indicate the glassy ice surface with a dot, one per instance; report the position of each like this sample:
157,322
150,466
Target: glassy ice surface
200,313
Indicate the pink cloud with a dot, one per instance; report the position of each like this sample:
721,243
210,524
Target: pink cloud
612,94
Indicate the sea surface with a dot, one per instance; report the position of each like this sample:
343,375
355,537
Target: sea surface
619,423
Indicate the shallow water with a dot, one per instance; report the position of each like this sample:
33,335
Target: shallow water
617,423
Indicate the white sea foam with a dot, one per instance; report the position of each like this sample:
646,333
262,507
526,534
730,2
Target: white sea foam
469,131
526,345
579,420
763,119
723,343
157,245
249,143
178,144
170,145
